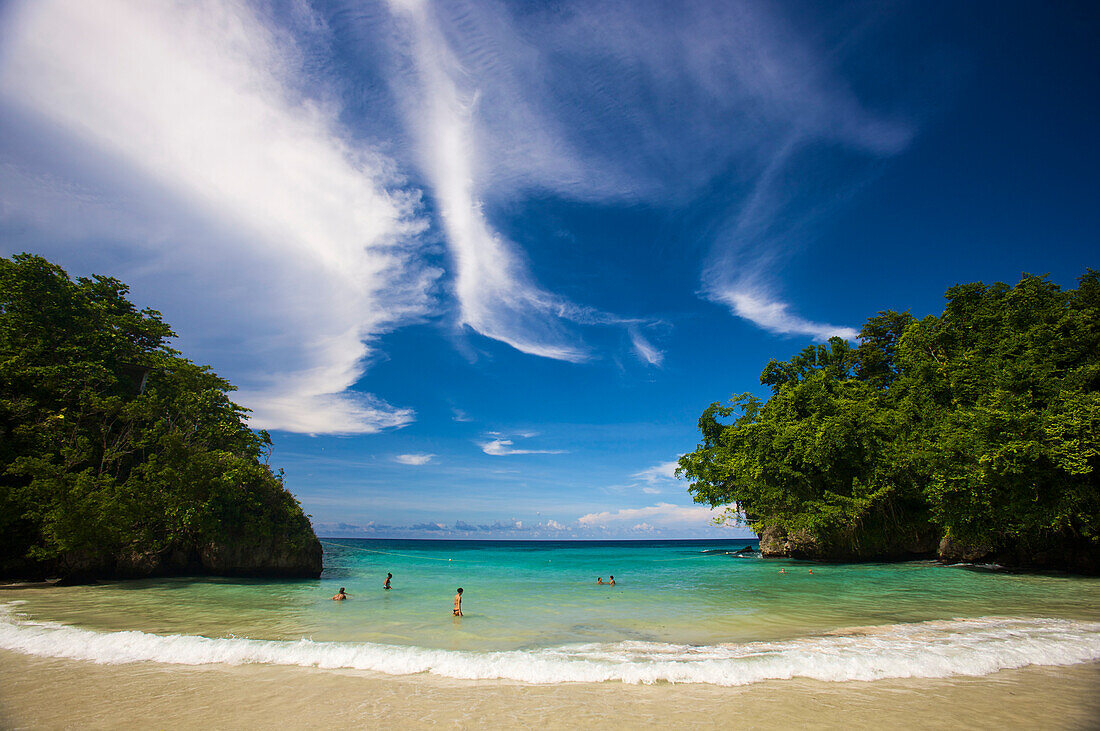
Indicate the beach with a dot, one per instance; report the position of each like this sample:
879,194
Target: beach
694,634
55,693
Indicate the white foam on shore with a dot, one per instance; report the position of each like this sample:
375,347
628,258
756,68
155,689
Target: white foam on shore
920,650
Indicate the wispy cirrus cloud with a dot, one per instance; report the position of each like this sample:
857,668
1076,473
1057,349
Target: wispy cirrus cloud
220,171
776,316
644,349
496,293
636,101
200,139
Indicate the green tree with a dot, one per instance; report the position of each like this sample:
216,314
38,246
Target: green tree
1006,381
110,441
982,424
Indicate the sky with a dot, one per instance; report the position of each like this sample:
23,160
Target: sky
479,266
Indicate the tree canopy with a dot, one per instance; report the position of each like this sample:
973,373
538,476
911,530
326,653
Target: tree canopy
981,424
110,440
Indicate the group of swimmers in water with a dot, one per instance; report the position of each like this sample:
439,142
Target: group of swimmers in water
342,595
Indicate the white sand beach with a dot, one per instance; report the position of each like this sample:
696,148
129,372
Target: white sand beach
49,693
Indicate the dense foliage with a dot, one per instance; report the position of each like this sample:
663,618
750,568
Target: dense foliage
110,441
982,425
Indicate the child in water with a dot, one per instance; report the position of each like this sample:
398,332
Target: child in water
387,584
340,595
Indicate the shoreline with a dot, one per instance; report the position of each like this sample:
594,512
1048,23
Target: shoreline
155,695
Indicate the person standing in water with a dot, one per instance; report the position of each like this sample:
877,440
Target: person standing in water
612,581
599,579
387,584
340,595
458,602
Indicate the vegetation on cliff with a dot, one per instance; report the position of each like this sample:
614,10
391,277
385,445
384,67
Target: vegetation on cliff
117,455
977,431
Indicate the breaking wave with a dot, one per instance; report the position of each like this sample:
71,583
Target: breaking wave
919,650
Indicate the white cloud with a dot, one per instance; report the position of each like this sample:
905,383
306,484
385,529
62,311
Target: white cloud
496,294
652,480
501,447
578,101
642,528
288,243
776,317
502,103
414,459
661,515
644,348
658,473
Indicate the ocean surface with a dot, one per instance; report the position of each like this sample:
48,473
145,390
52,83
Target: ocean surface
681,612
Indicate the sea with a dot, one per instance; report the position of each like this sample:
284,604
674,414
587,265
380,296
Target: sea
680,612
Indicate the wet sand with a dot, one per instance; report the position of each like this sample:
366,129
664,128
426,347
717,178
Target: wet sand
53,693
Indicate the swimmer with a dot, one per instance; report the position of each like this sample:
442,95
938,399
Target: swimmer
340,595
599,579
782,571
811,571
612,581
458,602
387,584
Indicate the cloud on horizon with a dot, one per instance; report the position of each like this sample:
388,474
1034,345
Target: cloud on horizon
660,521
664,515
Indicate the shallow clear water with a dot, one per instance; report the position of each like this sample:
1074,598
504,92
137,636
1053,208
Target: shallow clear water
676,605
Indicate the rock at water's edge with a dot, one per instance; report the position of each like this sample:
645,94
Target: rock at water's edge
1057,552
297,557
265,557
869,546
952,551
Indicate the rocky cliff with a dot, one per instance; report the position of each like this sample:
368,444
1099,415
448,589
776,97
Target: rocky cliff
287,556
1057,552
878,545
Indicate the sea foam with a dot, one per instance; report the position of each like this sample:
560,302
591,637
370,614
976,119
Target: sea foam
935,649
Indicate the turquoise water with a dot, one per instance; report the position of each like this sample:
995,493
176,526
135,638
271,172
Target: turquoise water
688,611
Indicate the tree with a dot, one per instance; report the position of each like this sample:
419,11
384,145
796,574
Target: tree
982,424
110,440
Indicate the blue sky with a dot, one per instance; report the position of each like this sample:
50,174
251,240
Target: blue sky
479,266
